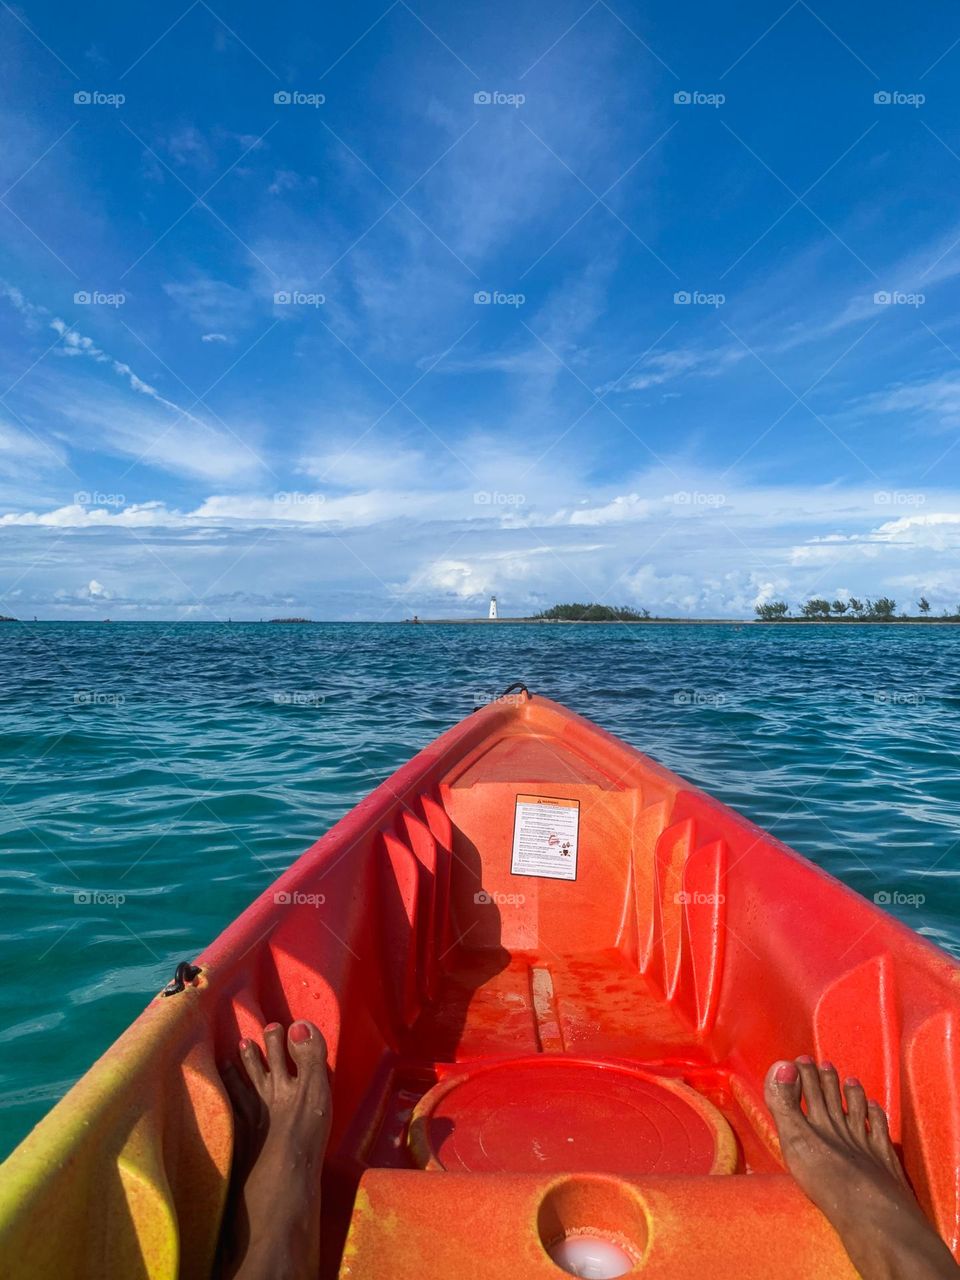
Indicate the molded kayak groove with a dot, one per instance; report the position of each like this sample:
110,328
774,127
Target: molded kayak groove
551,975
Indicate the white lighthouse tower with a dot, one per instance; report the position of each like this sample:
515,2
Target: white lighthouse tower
492,615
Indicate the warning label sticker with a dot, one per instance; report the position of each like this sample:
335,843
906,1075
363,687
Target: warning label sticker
545,835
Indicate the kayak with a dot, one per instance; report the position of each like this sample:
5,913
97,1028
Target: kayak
552,976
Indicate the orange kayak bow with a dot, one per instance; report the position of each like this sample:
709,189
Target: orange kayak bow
551,975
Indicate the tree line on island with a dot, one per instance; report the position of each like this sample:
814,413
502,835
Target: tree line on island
817,609
592,613
853,610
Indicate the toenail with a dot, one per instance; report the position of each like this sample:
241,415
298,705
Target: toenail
853,1082
271,1026
827,1066
805,1059
299,1033
244,1045
786,1074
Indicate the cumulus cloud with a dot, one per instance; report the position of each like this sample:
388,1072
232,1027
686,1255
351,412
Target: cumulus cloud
90,592
469,577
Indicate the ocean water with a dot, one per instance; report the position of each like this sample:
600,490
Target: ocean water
157,777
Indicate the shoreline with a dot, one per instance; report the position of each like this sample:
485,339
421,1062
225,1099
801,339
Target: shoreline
833,623
688,622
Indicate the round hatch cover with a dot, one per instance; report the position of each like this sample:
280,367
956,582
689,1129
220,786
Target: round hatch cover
550,1114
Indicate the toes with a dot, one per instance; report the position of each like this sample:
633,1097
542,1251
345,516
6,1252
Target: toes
880,1141
307,1046
781,1091
253,1064
879,1129
274,1039
812,1092
830,1088
856,1109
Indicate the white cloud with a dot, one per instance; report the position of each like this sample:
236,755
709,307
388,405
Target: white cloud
89,592
664,366
188,146
285,180
155,438
629,507
938,530
211,304
470,577
75,343
936,399
18,445
75,516
375,464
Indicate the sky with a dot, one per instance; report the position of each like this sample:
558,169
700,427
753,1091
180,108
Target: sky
366,311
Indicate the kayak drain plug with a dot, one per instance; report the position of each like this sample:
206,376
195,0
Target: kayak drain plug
186,972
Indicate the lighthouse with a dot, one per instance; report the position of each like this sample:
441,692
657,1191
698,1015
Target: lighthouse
493,608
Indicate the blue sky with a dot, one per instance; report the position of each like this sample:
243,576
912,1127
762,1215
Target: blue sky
717,361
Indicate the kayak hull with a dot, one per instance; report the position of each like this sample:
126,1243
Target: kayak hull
675,953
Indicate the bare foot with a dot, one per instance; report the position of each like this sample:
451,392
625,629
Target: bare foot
282,1127
846,1163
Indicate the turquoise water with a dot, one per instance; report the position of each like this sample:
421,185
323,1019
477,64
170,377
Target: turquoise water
181,767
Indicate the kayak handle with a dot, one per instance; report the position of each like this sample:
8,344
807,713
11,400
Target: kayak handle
186,972
517,684
511,688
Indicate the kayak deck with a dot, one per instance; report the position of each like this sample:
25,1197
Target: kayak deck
520,1050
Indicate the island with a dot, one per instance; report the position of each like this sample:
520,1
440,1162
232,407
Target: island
849,611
